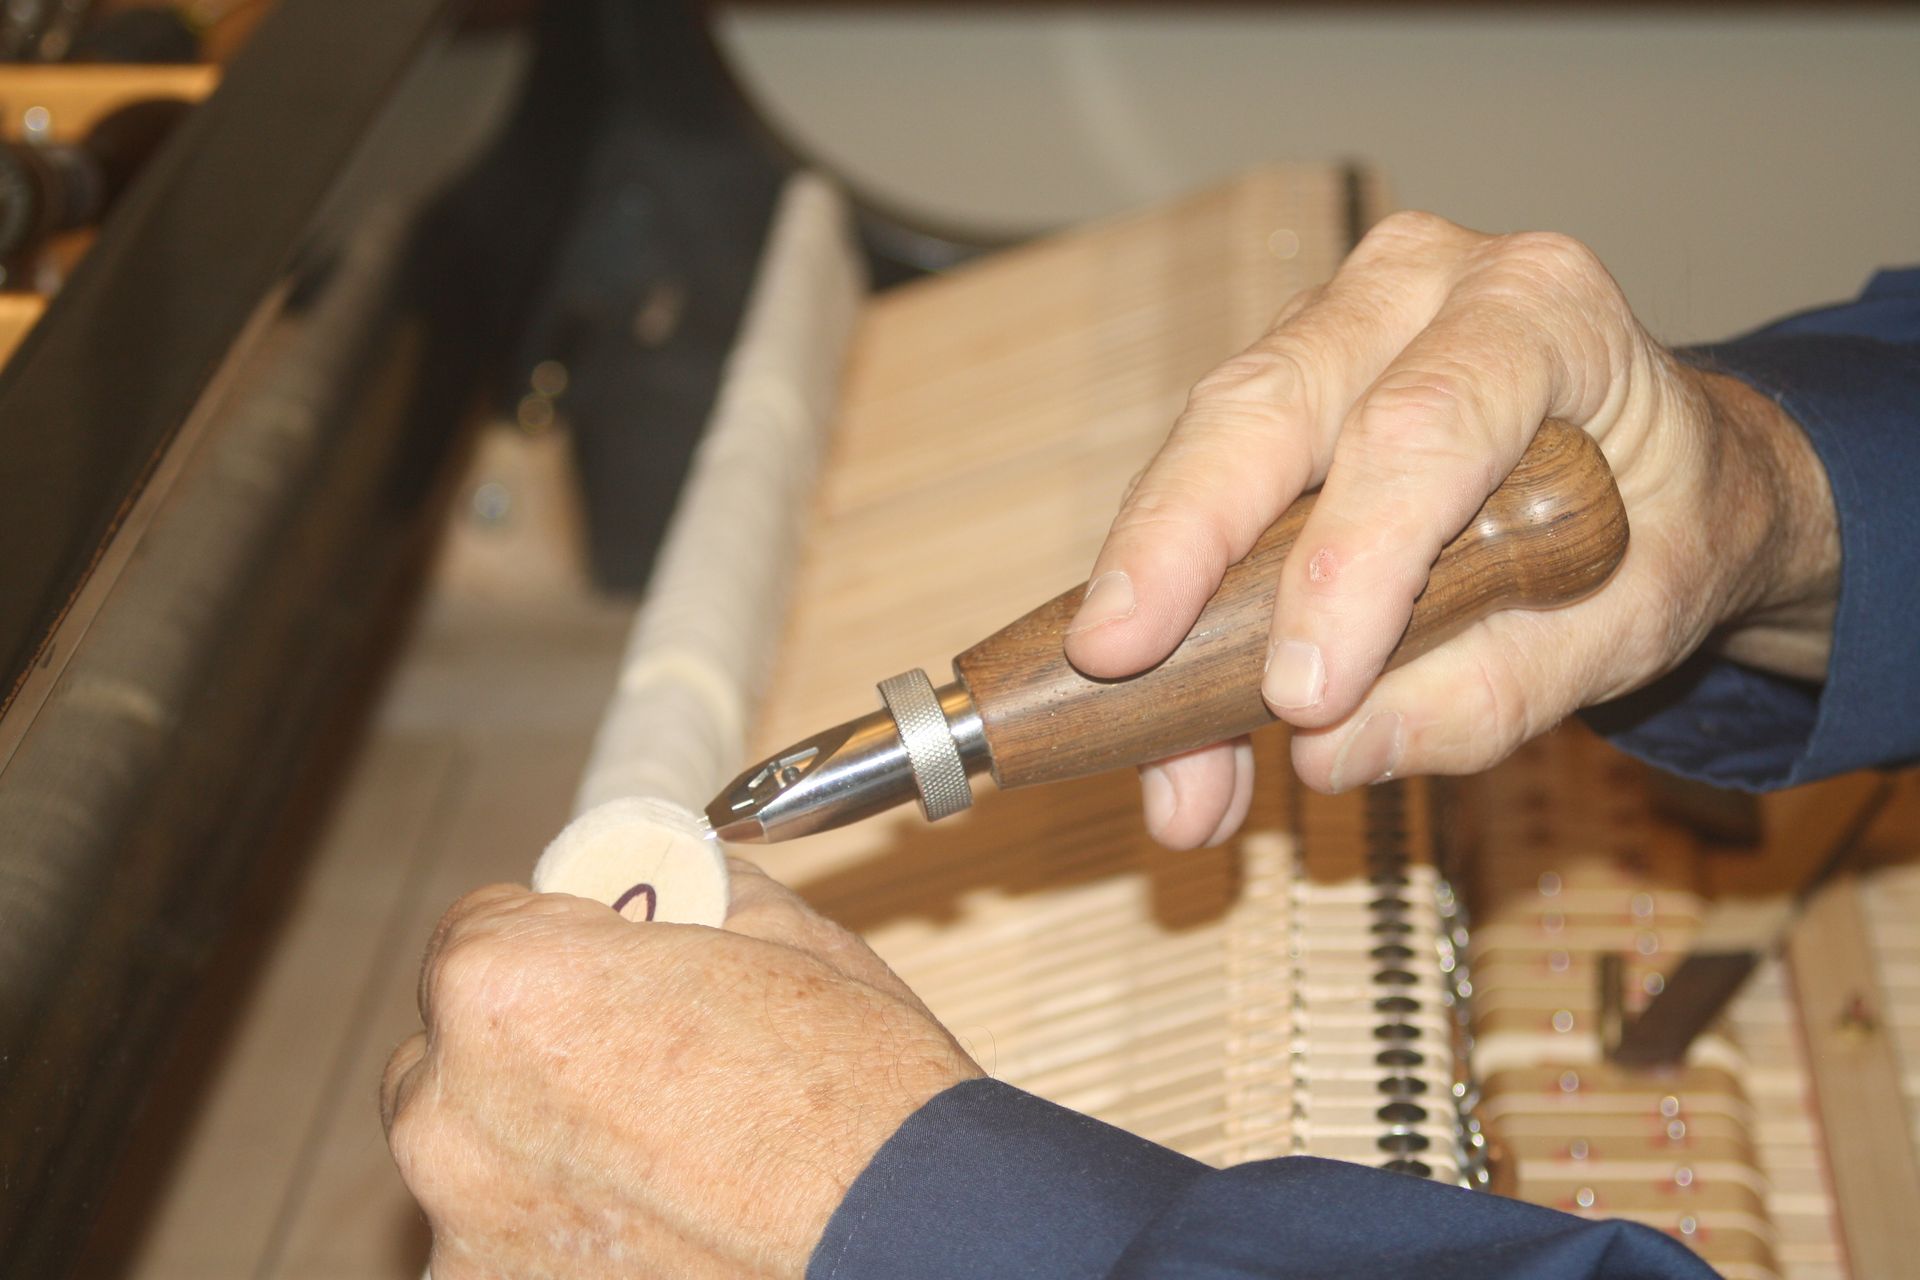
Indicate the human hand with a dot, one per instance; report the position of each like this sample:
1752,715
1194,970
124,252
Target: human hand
1409,386
593,1097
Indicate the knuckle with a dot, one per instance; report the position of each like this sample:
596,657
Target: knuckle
1173,515
1303,300
745,867
1418,397
475,910
1551,251
464,980
408,1138
408,1055
1256,405
1531,268
427,1152
1418,417
1267,377
1175,493
1410,227
487,899
769,911
419,1133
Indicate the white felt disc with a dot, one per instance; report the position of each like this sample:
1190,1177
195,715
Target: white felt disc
648,859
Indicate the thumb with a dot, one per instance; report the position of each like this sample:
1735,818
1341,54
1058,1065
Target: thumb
1465,706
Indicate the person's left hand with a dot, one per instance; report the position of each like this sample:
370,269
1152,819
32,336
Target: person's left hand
593,1097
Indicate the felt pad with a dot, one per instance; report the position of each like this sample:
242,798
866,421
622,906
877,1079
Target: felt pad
648,859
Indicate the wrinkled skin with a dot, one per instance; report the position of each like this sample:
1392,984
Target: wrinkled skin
1410,385
595,1098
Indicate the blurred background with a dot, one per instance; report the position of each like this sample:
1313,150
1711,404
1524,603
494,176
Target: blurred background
357,352
1728,161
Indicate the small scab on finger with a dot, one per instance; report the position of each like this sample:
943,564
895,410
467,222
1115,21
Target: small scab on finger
1322,566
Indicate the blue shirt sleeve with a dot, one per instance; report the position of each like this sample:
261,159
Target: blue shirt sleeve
988,1181
1850,376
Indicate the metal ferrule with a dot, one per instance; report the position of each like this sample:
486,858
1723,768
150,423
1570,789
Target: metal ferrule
860,768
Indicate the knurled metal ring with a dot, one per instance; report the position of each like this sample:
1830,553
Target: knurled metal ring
937,772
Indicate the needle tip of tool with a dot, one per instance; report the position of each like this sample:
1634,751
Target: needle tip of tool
732,828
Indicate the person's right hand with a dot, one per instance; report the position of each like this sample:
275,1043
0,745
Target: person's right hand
1409,386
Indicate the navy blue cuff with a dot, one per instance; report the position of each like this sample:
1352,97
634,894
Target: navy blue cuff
1307,1219
1858,399
986,1180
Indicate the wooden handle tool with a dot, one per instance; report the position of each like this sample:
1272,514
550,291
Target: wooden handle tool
1551,533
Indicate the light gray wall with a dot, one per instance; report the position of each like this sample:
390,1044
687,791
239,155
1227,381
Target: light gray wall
1728,166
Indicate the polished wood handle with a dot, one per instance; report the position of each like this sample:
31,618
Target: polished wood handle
1550,534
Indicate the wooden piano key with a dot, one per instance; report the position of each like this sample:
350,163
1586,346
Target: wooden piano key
1576,1146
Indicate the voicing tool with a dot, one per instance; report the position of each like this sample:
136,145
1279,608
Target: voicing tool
1552,533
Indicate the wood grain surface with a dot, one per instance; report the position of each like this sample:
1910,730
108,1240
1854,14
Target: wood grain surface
1753,1149
75,95
1854,1049
1550,534
990,422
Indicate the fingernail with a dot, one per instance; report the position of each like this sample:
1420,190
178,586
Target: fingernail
1242,795
1296,677
1109,596
1157,800
1371,754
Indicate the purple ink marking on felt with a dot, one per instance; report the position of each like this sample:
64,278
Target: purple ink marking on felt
653,900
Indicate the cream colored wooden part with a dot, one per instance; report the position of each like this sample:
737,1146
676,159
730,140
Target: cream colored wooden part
674,732
1572,864
703,641
75,96
992,418
1890,899
1856,1077
648,859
